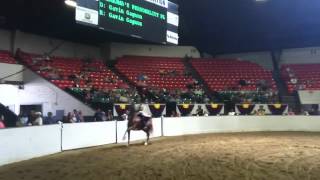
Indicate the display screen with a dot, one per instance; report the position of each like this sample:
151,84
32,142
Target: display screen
152,20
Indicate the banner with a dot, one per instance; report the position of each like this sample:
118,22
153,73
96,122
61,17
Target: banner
215,109
277,109
157,110
185,109
245,109
120,109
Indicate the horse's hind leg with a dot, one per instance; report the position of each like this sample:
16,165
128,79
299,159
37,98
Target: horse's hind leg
148,136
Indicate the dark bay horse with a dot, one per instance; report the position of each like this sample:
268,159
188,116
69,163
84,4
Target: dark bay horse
137,122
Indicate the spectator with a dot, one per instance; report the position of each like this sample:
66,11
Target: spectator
23,120
232,112
38,119
174,114
49,119
109,116
291,112
81,118
98,116
124,116
76,115
261,111
200,111
72,117
31,118
104,116
2,125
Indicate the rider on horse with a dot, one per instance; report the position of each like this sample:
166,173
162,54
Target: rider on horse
145,117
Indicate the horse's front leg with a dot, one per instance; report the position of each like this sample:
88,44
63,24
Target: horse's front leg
129,130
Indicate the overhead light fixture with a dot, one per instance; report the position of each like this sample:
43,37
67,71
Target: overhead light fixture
70,3
261,1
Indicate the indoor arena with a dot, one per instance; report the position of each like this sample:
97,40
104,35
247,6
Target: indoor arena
159,89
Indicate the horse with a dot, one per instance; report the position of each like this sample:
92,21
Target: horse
137,122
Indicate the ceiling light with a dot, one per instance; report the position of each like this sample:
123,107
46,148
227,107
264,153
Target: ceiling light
70,3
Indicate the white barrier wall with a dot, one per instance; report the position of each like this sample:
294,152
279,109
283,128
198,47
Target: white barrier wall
82,135
262,58
20,144
118,50
198,125
309,97
301,55
10,69
138,135
25,143
41,44
5,42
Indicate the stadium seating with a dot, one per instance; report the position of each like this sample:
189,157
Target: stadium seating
222,74
132,67
307,76
95,70
6,57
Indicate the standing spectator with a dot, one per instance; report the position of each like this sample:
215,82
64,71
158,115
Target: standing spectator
71,118
98,116
2,125
23,120
31,118
38,119
109,116
49,119
81,118
76,115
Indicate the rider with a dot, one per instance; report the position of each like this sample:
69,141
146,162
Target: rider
144,116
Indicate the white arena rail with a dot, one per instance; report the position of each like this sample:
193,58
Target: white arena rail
198,125
19,144
83,135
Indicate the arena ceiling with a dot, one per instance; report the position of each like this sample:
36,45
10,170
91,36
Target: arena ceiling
214,26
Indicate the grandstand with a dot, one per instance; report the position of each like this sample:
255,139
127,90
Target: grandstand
229,98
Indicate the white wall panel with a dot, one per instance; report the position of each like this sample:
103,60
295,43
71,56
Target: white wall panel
20,144
82,135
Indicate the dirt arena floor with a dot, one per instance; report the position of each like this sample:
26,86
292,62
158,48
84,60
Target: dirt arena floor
246,156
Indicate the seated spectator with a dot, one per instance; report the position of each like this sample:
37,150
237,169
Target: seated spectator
2,125
38,121
46,68
142,77
54,75
162,72
294,80
200,111
261,111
